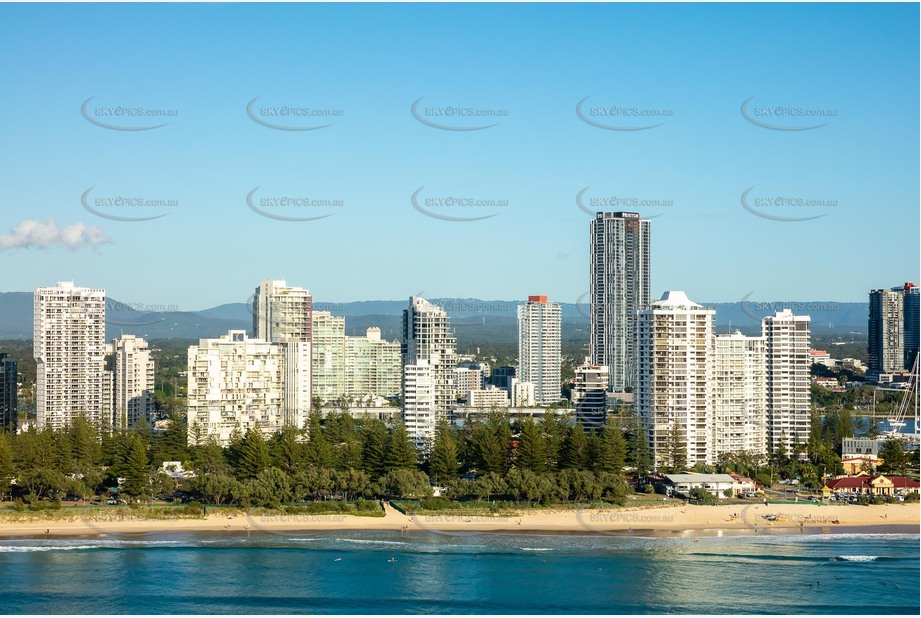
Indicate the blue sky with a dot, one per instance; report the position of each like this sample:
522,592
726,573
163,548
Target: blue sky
694,65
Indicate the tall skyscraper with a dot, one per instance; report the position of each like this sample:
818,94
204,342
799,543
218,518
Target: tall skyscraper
69,349
9,387
283,315
674,390
539,348
372,365
427,336
619,288
328,344
236,383
911,313
740,394
133,382
885,336
419,413
788,398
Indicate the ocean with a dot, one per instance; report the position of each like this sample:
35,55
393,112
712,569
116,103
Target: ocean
378,572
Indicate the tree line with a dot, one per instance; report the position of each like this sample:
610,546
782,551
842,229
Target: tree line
337,457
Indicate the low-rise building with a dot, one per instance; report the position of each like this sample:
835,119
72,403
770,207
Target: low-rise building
716,484
866,485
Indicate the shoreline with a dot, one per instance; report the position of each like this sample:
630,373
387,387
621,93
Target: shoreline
670,521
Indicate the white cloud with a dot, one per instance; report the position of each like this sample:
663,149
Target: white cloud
29,234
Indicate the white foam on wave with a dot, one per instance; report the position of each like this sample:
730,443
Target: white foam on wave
858,558
536,548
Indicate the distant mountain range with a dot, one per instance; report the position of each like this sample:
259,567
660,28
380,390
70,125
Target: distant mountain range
475,321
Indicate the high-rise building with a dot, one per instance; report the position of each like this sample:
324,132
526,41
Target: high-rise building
539,348
69,350
328,344
739,394
283,315
788,389
420,415
372,365
236,383
427,336
589,395
9,387
674,392
911,313
885,334
619,289
133,381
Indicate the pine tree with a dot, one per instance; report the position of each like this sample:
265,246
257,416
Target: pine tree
85,440
531,454
374,448
401,452
288,453
443,463
610,450
7,471
677,449
133,467
317,449
253,455
554,432
575,449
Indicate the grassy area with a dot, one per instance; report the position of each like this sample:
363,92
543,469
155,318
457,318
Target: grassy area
501,508
100,513
141,512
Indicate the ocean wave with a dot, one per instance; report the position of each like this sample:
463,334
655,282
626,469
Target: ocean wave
536,548
858,558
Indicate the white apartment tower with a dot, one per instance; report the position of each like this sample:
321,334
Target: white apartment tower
283,315
619,289
539,348
328,345
69,350
419,410
788,400
236,383
372,365
739,394
674,382
427,336
133,381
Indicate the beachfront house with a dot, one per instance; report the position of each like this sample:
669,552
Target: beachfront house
865,485
716,484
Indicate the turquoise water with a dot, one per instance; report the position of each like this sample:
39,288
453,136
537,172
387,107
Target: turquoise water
352,572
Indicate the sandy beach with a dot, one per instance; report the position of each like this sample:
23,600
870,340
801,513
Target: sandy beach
663,521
